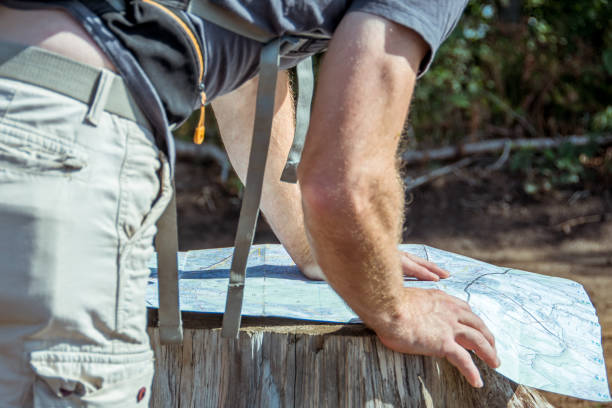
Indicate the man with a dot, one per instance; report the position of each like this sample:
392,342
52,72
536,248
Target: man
80,210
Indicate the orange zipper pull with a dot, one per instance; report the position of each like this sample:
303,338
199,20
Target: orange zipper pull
198,136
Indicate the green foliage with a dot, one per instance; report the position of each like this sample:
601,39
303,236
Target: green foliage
562,167
234,185
519,68
602,121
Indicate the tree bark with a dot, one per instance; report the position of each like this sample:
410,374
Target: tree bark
286,364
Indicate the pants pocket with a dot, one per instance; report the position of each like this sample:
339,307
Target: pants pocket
134,259
96,380
27,153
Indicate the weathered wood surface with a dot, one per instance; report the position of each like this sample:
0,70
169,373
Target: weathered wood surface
315,366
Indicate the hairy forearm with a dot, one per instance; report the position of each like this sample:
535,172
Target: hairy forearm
352,197
356,244
353,201
281,202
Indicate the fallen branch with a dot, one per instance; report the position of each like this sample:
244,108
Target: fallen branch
432,175
490,146
567,226
499,163
191,151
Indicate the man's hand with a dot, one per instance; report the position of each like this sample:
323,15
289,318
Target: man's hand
419,268
412,266
436,324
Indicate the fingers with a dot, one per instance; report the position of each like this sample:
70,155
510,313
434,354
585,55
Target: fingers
313,272
421,269
460,358
462,304
432,267
416,271
473,339
476,322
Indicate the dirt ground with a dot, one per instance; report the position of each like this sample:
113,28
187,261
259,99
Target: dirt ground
485,216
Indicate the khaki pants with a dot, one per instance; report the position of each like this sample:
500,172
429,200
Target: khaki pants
78,206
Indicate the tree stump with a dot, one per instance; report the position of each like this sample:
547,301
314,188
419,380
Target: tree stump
287,363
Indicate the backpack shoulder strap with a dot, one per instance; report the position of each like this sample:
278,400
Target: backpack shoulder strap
305,79
166,245
262,129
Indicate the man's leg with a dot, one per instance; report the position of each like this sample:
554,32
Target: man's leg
78,205
281,202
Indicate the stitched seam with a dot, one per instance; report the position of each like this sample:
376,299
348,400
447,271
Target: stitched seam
121,210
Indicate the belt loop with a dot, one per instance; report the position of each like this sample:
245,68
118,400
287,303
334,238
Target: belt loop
100,97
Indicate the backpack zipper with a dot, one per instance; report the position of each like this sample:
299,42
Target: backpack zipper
198,136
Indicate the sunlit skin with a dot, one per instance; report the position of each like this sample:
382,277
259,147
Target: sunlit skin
60,33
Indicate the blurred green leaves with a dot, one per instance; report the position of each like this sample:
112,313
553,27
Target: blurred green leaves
519,68
562,167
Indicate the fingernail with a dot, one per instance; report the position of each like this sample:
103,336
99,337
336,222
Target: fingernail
479,384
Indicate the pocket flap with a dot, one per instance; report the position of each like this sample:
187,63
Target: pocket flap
90,379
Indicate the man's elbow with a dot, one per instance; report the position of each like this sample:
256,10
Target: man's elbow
333,199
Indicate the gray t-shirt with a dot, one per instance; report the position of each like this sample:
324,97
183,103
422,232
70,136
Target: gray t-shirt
231,59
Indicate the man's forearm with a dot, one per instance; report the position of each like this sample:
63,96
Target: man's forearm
352,197
357,247
281,202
